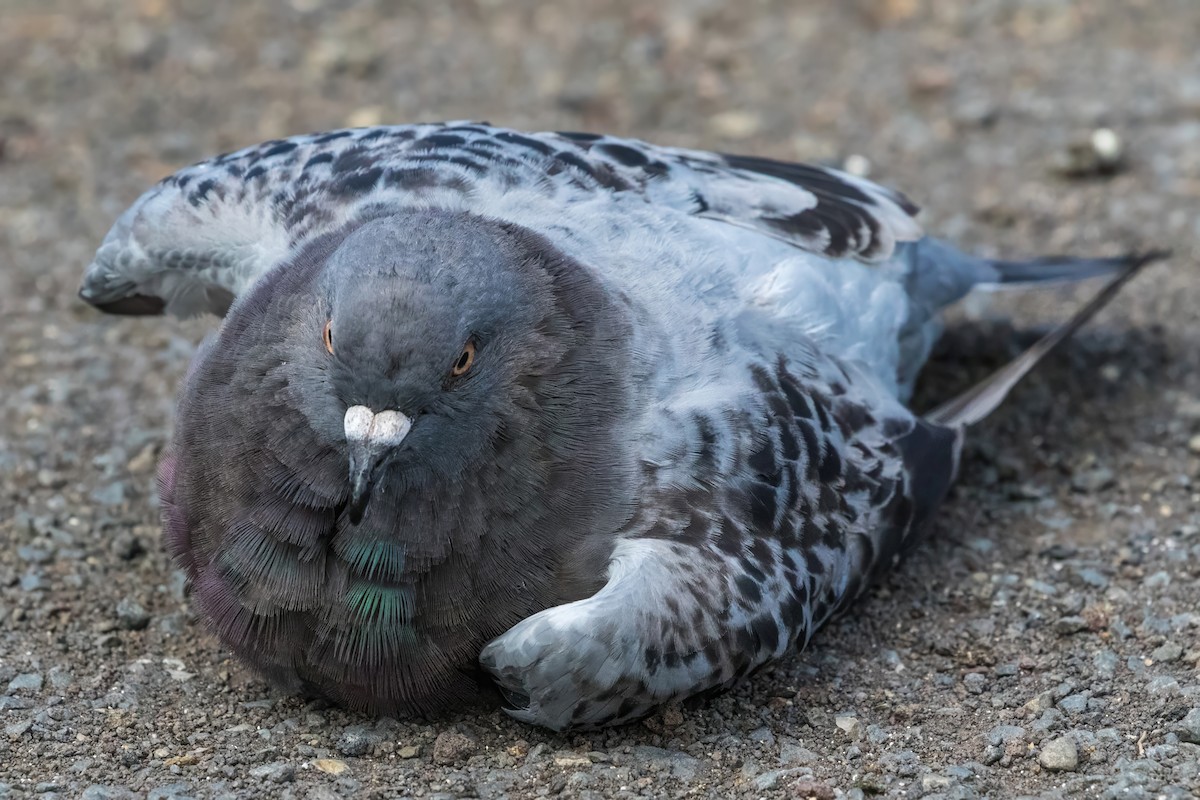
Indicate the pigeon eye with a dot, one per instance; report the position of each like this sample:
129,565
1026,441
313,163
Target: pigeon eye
465,359
327,335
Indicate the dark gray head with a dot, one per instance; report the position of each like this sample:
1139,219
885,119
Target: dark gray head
432,326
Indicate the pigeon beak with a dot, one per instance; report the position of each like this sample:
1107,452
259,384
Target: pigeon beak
370,437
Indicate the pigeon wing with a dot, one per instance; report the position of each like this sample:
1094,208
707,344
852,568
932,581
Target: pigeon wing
197,240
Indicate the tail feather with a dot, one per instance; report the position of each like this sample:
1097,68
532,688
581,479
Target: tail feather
1058,269
980,400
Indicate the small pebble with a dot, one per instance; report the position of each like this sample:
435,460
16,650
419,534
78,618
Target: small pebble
849,725
877,735
934,783
173,624
1040,703
982,545
1066,626
1093,480
975,682
1105,663
1059,755
570,759
734,124
1158,580
1162,685
1026,491
172,791
762,734
330,766
127,547
111,495
857,164
806,789
1076,703
792,754
1188,729
144,460
99,791
769,780
34,555
131,615
18,729
451,747
931,79
1092,577
25,682
276,772
1003,734
1100,153
1041,587
962,772
356,740
1167,652
672,717
672,762
60,677
1059,552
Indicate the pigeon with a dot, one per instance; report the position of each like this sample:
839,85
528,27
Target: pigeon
597,423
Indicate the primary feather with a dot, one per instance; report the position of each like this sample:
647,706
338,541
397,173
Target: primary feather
683,447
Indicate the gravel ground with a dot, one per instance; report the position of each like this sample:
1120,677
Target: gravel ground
1045,644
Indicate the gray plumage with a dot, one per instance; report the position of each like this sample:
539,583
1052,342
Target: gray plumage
621,422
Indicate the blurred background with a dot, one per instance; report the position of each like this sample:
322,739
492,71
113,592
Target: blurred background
934,95
1058,599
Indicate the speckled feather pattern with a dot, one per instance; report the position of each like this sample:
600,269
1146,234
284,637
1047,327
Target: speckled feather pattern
769,521
225,221
708,458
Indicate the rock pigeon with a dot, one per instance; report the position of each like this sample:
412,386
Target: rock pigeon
618,423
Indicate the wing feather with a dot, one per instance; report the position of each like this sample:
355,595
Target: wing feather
203,235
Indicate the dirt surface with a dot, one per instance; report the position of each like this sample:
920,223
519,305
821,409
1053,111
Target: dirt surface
1046,643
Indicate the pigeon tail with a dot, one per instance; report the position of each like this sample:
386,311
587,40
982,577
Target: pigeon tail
1062,269
980,400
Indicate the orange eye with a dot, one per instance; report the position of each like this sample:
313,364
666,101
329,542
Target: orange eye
465,359
327,335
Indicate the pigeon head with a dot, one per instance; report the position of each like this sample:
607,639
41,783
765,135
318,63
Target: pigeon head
429,330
